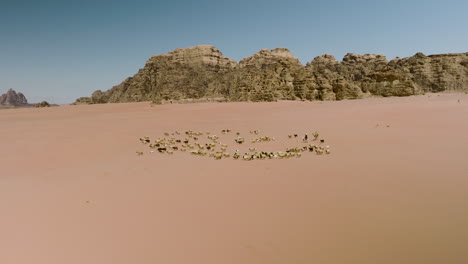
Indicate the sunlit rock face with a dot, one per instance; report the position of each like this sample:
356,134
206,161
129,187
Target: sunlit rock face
269,75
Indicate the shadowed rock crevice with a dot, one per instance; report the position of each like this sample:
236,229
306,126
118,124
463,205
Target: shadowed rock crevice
270,75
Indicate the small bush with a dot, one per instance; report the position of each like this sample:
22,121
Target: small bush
42,104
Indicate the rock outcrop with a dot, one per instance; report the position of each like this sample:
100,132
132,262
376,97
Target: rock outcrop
12,98
268,75
183,73
271,75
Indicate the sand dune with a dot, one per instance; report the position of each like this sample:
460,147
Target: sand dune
394,189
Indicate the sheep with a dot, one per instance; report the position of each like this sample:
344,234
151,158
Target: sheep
218,155
239,140
295,150
198,152
262,139
213,137
145,140
315,135
319,150
161,150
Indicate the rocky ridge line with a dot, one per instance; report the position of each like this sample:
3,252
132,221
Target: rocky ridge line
269,75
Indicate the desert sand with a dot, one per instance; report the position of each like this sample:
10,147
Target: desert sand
393,190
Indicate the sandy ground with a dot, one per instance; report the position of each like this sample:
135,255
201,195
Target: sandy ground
394,189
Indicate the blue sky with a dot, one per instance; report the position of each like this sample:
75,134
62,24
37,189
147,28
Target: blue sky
61,50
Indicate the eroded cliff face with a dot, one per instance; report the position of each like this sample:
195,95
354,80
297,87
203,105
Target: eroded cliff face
271,75
268,75
183,73
362,75
12,98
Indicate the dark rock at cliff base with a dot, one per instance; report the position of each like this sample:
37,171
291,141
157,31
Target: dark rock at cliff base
269,75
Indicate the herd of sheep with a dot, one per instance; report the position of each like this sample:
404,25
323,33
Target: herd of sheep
209,145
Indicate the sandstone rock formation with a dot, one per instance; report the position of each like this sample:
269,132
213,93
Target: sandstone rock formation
183,73
271,75
268,75
12,98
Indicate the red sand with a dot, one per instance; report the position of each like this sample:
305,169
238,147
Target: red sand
73,190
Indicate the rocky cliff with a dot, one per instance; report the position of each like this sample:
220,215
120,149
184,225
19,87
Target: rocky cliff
268,75
12,98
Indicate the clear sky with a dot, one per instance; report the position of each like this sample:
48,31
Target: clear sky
60,50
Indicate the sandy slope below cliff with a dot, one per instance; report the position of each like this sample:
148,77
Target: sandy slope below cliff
394,190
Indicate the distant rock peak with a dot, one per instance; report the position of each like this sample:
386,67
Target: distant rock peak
12,98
